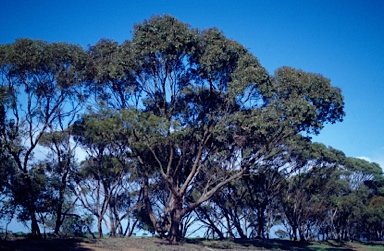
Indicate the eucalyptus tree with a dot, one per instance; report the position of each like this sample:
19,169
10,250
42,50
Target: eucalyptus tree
7,174
263,188
248,207
210,217
41,82
374,218
203,112
306,193
351,205
61,164
358,171
188,110
108,85
200,111
106,182
228,213
7,167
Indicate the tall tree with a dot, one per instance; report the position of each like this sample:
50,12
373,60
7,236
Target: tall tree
306,189
62,163
41,81
353,201
106,180
207,112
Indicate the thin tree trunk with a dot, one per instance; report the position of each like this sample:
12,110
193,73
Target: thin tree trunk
99,227
301,232
260,224
58,217
294,232
239,229
59,209
35,230
231,236
213,225
148,207
112,221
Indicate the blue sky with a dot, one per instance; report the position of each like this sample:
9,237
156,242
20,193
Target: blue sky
341,39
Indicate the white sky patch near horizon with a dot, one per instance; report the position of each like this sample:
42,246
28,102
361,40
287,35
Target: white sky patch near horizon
377,157
365,158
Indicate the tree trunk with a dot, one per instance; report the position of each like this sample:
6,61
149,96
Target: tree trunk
230,234
261,208
269,223
58,217
239,229
175,234
301,232
63,186
260,225
129,230
148,207
177,213
99,227
113,219
35,230
294,232
59,209
212,225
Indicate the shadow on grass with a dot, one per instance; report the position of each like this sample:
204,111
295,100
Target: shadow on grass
271,244
370,243
55,244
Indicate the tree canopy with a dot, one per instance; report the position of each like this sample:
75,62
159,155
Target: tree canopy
170,122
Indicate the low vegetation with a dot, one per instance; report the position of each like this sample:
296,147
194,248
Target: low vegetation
155,244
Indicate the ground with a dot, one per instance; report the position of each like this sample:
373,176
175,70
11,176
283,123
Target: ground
154,244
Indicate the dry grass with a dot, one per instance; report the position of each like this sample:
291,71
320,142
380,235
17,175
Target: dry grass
154,244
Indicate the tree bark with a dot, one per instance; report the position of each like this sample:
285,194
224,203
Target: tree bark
294,232
301,232
35,230
59,209
175,233
99,227
260,223
58,217
176,205
148,207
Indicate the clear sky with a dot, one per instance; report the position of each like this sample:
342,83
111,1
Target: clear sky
341,39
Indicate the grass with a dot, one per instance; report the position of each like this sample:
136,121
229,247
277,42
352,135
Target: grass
154,244
291,245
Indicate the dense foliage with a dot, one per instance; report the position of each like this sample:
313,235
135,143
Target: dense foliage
175,129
